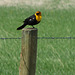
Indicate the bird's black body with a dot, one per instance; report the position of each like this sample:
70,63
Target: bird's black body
29,21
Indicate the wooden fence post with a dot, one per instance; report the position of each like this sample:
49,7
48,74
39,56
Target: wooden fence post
29,51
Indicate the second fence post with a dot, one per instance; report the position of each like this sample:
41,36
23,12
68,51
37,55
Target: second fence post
29,52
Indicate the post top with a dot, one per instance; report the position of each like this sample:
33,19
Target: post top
29,29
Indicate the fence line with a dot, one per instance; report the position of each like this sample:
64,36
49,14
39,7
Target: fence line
10,38
43,38
56,37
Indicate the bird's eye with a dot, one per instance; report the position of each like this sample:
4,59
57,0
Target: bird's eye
37,13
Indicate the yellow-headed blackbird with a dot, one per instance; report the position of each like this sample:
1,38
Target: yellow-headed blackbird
32,20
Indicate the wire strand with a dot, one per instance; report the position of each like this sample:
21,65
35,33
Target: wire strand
42,38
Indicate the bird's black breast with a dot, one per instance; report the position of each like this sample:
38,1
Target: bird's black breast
31,20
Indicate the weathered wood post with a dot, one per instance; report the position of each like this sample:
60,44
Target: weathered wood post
29,51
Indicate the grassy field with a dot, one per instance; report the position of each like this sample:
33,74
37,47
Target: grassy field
54,56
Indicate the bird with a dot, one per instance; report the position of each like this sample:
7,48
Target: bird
32,20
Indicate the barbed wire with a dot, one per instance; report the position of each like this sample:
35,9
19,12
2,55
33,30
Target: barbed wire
10,38
56,37
41,38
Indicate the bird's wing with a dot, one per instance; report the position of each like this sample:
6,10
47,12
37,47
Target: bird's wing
30,20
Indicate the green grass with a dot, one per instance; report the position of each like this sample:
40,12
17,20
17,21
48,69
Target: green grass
54,57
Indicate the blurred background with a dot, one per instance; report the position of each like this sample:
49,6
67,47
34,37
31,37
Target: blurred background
54,56
48,4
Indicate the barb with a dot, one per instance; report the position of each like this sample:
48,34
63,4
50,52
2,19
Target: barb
44,38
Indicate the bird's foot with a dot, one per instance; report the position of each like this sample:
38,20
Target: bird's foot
33,26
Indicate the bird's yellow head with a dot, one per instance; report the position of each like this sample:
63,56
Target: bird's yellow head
38,16
38,13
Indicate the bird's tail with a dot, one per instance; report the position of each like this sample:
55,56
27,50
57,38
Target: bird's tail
21,27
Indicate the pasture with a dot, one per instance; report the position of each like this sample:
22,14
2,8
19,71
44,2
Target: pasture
54,56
